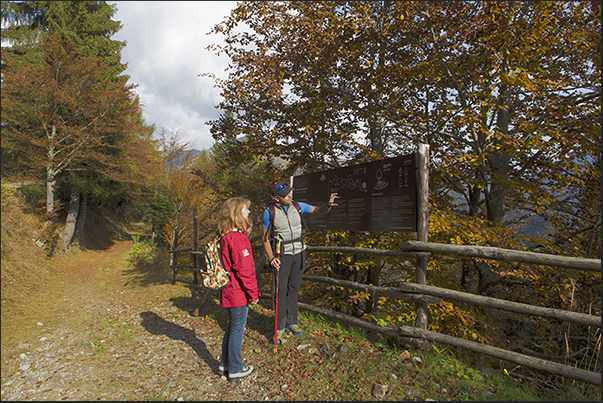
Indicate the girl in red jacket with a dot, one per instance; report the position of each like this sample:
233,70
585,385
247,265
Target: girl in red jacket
242,288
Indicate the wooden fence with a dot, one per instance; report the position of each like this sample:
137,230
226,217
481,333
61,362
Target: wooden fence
424,294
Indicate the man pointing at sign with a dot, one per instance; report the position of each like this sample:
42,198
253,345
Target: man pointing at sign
283,219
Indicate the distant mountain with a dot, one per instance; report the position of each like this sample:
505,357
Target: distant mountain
535,225
186,155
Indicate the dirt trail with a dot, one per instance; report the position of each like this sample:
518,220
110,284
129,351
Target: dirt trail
100,330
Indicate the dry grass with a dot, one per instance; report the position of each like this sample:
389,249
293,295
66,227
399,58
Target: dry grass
26,267
24,263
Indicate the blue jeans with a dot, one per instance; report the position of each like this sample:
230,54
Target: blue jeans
233,339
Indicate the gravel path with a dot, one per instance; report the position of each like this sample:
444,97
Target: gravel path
99,329
100,332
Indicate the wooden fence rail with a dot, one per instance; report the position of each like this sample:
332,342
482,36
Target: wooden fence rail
419,292
408,333
425,294
507,255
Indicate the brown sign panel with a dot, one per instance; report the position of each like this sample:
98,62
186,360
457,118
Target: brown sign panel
373,196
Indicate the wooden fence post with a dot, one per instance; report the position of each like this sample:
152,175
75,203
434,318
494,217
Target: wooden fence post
422,227
174,257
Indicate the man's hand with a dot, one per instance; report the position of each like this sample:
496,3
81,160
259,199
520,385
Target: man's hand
275,262
325,208
332,199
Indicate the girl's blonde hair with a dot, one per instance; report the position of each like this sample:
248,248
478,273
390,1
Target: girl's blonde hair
230,216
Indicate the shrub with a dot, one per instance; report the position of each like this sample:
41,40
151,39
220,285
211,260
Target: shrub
143,251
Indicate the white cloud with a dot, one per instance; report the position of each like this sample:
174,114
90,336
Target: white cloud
165,52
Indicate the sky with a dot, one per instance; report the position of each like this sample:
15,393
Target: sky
165,52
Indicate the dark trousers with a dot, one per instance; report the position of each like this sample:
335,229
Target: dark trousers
289,281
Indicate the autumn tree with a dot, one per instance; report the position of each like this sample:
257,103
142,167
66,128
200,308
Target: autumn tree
68,109
512,119
67,120
176,189
506,94
227,177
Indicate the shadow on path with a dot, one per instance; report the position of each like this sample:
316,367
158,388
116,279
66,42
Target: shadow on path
155,324
257,321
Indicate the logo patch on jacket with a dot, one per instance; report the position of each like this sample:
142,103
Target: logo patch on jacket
245,252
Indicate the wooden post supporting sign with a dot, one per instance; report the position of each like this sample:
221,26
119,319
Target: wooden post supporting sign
422,226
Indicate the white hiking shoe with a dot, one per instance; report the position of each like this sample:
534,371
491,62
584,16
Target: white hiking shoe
240,375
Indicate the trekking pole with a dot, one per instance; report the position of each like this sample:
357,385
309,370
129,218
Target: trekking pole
278,256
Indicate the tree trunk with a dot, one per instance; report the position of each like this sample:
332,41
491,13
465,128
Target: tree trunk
495,200
373,279
74,208
50,171
465,276
81,219
474,199
376,134
487,276
49,191
500,166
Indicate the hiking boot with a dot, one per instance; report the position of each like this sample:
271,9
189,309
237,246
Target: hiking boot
222,370
296,330
279,335
240,375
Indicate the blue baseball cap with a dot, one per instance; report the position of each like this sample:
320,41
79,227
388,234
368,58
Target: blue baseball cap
280,188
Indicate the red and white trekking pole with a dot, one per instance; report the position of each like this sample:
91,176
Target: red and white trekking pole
278,256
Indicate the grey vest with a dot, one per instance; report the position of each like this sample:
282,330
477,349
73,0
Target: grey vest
289,226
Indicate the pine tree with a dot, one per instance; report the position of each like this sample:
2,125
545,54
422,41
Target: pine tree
69,116
87,23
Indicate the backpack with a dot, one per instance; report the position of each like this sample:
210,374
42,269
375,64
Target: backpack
215,276
271,207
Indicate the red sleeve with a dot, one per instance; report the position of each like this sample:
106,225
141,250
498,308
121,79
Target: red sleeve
243,265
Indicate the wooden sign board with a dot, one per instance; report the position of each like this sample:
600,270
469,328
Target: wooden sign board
374,196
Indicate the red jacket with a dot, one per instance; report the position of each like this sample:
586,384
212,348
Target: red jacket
237,258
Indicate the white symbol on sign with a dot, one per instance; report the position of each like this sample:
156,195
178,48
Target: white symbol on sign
381,183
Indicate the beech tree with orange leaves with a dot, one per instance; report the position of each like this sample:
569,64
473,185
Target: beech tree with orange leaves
507,95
